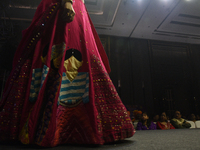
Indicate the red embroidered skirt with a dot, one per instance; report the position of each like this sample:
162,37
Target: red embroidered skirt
38,104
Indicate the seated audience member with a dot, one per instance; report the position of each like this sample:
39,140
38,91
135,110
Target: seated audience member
156,118
137,118
198,117
193,117
179,122
137,115
145,123
164,123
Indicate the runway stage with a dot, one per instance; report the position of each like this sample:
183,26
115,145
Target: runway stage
177,139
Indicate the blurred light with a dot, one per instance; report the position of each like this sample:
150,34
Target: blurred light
139,1
166,0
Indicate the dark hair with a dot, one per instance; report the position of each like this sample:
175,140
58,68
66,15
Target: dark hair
161,114
176,111
76,53
148,120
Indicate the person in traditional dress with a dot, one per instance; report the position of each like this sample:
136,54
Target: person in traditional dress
145,123
179,122
164,123
59,90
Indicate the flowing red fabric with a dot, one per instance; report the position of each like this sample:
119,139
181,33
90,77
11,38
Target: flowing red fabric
43,121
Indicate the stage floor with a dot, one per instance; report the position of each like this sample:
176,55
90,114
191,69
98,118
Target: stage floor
177,139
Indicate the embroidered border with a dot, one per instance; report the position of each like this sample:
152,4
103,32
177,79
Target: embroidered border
113,120
53,83
29,48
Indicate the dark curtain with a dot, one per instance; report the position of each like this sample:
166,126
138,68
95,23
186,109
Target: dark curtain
159,76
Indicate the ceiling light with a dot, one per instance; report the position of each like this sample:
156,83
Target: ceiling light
165,0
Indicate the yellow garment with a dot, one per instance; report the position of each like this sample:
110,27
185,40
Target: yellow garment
23,136
44,59
71,65
179,121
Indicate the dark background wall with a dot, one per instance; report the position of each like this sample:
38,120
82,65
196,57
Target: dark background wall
159,76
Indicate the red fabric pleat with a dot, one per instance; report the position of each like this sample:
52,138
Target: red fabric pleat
103,119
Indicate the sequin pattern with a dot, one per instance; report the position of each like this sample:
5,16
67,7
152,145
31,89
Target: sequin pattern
14,95
52,87
11,112
113,119
29,47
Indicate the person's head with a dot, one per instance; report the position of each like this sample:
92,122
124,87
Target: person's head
145,116
145,119
139,115
177,114
156,118
198,117
163,117
192,117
